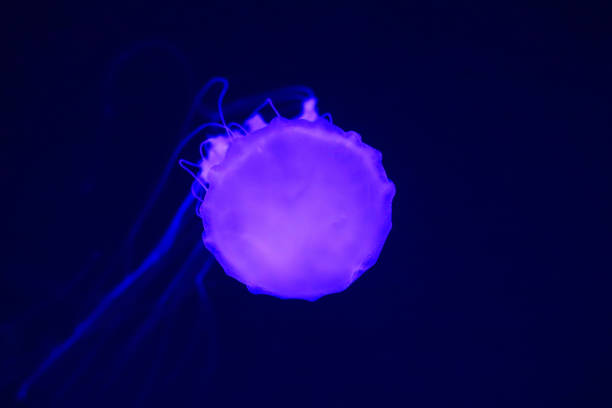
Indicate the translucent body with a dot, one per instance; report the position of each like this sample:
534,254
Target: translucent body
298,208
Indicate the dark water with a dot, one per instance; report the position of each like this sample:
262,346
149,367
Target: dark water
494,123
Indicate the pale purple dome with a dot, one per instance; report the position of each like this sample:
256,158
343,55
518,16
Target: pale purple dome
296,208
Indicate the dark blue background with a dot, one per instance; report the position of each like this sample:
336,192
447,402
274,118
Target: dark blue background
494,123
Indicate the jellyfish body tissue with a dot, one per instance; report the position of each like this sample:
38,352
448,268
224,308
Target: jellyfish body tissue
297,208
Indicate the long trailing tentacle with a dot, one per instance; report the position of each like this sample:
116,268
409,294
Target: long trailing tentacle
164,244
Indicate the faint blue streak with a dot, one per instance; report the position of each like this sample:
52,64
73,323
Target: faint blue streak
162,247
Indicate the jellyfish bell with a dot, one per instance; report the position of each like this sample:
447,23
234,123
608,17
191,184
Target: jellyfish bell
294,208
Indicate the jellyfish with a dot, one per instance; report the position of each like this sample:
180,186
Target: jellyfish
293,207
